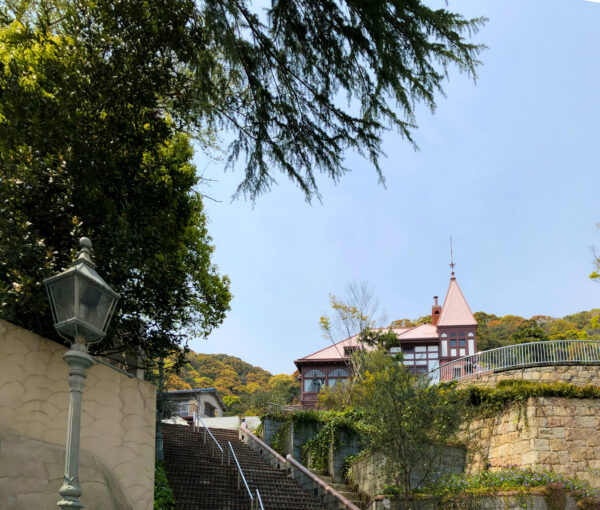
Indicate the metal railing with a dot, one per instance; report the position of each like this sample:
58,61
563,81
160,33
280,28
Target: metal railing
554,352
289,463
255,502
197,420
320,483
279,409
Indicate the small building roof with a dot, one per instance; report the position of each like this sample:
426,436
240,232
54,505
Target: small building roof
194,391
336,351
456,311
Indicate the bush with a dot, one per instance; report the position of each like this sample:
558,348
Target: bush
163,495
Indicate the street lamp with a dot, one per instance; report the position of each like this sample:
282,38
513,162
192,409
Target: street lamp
82,305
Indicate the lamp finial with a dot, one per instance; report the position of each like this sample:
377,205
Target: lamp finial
85,254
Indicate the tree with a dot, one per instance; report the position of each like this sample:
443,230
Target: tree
101,100
274,77
528,331
355,316
77,158
407,421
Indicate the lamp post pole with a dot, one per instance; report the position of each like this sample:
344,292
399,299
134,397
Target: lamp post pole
82,304
79,360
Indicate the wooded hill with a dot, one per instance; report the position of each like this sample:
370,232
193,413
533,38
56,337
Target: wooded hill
497,331
243,387
246,388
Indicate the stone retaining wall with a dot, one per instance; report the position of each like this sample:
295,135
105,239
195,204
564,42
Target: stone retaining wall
580,375
558,434
367,473
502,502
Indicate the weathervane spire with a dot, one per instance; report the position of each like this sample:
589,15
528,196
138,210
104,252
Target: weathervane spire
452,264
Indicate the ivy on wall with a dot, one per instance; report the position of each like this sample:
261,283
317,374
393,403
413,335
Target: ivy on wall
315,452
489,401
464,492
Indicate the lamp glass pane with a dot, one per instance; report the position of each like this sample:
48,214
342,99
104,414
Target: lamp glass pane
63,297
94,304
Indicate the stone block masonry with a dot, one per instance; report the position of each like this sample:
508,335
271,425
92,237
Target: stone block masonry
558,434
117,431
580,375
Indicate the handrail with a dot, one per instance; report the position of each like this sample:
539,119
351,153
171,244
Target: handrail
519,355
240,473
290,460
327,488
206,429
263,445
259,501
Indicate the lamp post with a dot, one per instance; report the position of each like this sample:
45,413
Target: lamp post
82,305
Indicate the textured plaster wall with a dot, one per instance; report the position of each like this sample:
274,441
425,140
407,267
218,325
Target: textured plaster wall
560,434
30,481
576,374
117,431
367,473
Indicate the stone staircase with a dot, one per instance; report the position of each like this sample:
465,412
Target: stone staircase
200,482
343,488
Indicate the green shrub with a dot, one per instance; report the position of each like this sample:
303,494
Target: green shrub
491,400
163,495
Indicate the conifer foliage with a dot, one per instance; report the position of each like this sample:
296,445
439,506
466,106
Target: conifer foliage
101,100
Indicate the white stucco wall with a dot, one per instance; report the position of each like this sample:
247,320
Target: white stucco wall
212,400
117,430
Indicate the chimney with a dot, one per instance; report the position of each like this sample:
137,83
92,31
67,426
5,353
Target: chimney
436,310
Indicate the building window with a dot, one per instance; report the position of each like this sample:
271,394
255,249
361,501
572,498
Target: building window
420,370
314,380
209,410
457,373
349,350
337,376
181,409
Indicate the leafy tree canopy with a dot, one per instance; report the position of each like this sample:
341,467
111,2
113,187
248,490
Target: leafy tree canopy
497,331
79,155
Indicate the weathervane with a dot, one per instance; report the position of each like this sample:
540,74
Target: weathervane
452,264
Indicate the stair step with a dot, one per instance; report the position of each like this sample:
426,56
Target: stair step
192,469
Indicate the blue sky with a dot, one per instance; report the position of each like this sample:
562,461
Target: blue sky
507,167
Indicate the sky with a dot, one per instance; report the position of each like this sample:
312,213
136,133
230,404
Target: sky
508,167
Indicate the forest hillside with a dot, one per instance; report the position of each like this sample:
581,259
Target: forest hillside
242,386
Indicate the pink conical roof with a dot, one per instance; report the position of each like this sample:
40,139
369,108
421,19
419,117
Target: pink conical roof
456,311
